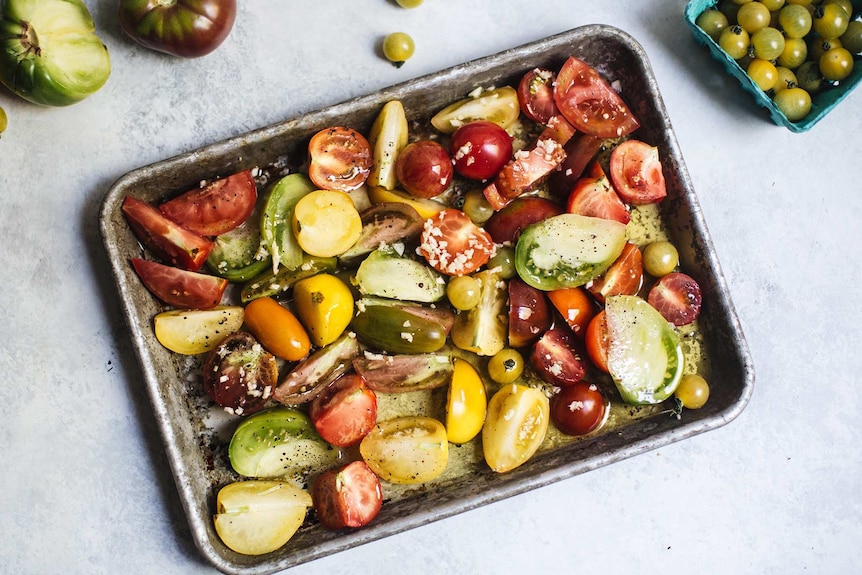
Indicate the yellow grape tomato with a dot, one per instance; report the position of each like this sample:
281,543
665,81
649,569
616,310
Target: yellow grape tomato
466,403
324,304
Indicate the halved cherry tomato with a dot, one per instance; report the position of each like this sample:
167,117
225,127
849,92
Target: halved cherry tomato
536,95
240,375
677,298
637,174
598,342
579,409
556,358
180,288
406,450
594,196
347,497
339,158
590,104
326,223
170,242
345,411
277,329
480,149
506,224
580,151
624,277
454,245
515,427
217,207
576,307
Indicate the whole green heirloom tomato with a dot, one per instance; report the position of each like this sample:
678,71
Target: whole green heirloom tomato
187,28
49,51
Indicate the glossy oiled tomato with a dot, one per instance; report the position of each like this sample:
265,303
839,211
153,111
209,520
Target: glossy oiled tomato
466,403
590,104
637,174
339,158
557,358
529,314
345,411
536,95
480,149
180,288
593,195
454,245
625,276
506,224
406,450
424,169
277,329
579,409
576,307
515,426
692,391
190,332
580,151
240,375
597,341
350,496
215,208
326,223
677,298
325,306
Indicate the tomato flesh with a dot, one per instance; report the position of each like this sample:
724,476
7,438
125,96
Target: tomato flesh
347,497
217,207
594,196
506,224
452,244
637,173
625,276
536,95
557,358
345,412
339,158
180,288
677,297
240,375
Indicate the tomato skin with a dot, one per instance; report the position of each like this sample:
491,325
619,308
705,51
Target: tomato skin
677,297
597,341
594,196
239,374
185,28
506,224
424,169
557,359
580,151
480,149
345,411
625,276
453,244
590,104
277,329
348,497
339,158
636,172
536,95
529,314
180,288
579,409
170,242
216,208
576,307
325,306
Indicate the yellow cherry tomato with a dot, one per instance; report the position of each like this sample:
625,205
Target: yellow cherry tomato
515,426
406,450
326,223
324,304
277,329
466,403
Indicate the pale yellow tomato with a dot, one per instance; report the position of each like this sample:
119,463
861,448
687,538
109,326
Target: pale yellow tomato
466,403
424,207
406,450
190,332
325,306
326,223
515,426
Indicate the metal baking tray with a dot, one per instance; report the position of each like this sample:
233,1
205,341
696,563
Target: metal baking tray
191,431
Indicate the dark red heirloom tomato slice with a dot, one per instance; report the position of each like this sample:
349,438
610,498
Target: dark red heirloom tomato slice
453,245
180,288
594,196
576,306
170,242
529,313
597,341
480,149
557,358
637,174
506,224
677,298
580,151
424,169
217,207
578,408
347,497
339,158
239,374
536,95
345,411
624,277
590,104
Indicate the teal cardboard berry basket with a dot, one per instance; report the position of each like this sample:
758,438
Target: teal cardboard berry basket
821,104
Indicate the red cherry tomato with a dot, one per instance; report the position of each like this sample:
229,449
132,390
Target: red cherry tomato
169,241
529,313
590,104
597,342
239,374
217,207
345,411
424,169
677,298
180,288
578,408
347,497
453,244
594,196
557,359
637,174
339,158
506,225
576,307
480,149
625,276
536,95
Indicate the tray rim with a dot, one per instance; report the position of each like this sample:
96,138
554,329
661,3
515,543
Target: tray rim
512,484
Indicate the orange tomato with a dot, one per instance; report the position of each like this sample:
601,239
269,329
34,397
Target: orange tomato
576,307
596,340
277,329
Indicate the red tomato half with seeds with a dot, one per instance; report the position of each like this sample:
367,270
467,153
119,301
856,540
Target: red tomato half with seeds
637,174
339,158
347,497
217,207
180,288
345,411
590,104
624,277
594,196
677,298
453,245
169,241
536,95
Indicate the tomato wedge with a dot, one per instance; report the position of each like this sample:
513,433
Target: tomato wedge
347,497
339,158
589,103
454,245
180,288
624,277
576,307
215,208
170,242
345,412
677,298
598,342
536,95
594,196
580,151
637,174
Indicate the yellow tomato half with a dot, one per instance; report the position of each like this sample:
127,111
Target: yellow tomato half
406,450
326,223
466,404
325,306
516,425
190,332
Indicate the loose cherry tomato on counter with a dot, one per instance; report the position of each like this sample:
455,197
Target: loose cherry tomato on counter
576,307
406,450
186,28
345,411
625,276
424,169
180,288
677,297
453,245
536,95
350,496
239,375
480,149
579,408
515,426
557,358
636,173
326,223
398,47
217,207
339,158
277,329
466,403
593,195
597,341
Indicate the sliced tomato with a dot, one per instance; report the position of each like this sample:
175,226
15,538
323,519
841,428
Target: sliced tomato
239,374
598,341
170,242
180,288
536,95
580,151
637,174
624,277
339,158
557,358
506,224
217,207
345,412
454,245
576,306
677,297
594,196
347,497
590,104
529,313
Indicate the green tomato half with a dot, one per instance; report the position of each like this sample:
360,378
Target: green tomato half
49,51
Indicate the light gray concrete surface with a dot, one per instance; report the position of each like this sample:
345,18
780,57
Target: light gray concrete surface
85,486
